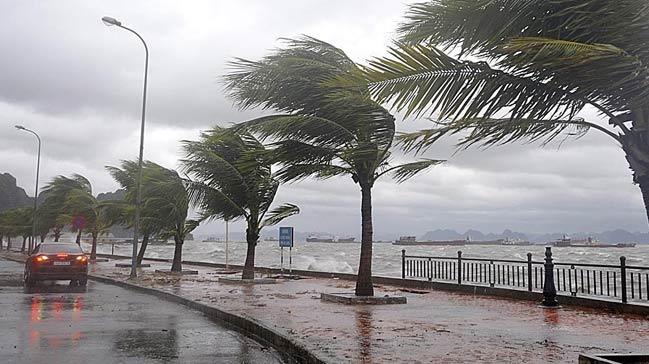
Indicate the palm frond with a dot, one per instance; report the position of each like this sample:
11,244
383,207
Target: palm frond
403,172
480,26
280,213
298,171
489,132
419,79
306,128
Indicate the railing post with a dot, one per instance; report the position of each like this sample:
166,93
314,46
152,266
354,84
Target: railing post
112,249
492,274
403,264
623,274
549,290
459,267
529,272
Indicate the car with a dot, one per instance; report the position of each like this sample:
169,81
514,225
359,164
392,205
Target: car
57,261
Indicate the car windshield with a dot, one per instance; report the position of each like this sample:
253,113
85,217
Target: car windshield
60,248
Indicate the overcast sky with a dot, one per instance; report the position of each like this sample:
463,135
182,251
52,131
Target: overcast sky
78,83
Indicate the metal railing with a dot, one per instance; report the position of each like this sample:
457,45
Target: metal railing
623,282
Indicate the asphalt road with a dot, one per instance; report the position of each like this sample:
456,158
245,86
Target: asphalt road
109,324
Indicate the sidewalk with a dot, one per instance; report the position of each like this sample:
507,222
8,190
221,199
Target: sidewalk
434,326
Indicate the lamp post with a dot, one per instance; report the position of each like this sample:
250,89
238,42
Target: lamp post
138,196
38,168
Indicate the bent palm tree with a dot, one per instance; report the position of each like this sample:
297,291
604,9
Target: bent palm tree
167,202
325,130
547,61
56,193
9,224
123,213
232,180
84,204
21,221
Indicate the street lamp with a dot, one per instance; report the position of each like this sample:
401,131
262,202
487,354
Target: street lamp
138,196
38,168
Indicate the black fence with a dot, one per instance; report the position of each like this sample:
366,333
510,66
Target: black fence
623,282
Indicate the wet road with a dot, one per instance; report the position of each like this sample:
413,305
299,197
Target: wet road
108,324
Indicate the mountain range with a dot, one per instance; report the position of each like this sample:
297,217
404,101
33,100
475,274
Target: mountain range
12,196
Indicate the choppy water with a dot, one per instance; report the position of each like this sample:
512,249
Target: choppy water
344,258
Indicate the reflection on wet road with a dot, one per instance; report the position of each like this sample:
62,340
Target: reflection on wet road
106,324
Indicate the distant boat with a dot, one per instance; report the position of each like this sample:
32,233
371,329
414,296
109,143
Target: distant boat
315,239
515,242
346,240
213,239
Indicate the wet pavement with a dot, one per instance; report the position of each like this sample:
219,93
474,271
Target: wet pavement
107,324
433,327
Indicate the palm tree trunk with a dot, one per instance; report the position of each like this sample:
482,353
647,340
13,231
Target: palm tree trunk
22,249
79,238
636,147
643,182
140,254
43,236
1,241
364,286
93,250
252,236
8,242
176,266
57,235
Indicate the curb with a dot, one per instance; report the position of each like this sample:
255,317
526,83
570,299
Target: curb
246,326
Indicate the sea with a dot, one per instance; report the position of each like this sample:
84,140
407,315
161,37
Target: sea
344,257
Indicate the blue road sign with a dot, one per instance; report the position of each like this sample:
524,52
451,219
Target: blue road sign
286,237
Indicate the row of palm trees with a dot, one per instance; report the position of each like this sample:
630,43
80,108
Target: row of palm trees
546,62
69,203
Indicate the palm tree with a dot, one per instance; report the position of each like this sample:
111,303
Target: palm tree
231,180
80,203
325,130
57,192
73,198
21,218
47,220
166,199
524,71
16,222
124,212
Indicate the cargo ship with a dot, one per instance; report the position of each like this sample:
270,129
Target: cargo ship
315,239
412,240
566,241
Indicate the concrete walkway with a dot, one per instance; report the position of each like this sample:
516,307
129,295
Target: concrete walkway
434,326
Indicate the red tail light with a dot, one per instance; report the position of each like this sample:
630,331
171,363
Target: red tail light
61,255
42,258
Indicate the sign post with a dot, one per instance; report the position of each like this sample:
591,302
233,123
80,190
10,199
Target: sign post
286,241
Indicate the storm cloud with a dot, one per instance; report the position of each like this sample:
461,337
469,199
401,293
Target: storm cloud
78,83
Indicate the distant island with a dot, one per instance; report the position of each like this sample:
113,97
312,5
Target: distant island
609,236
12,196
